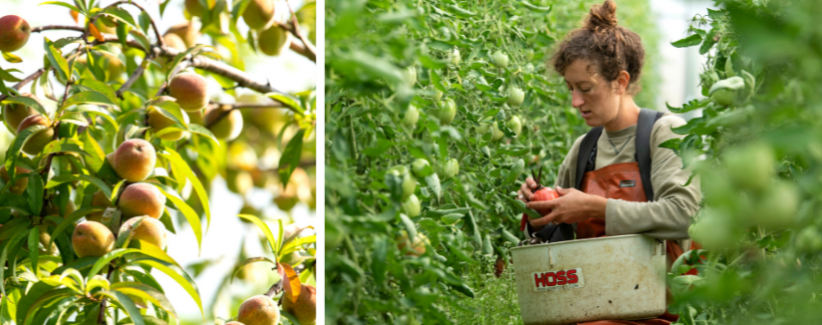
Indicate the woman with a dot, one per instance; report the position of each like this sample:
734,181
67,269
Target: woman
602,63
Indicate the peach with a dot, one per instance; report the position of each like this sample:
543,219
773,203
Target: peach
159,122
14,114
258,13
22,182
142,199
45,238
190,90
186,32
99,200
14,33
259,310
305,309
273,40
150,230
134,160
228,127
39,140
195,9
92,238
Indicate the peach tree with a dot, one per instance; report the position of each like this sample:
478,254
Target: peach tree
436,112
120,136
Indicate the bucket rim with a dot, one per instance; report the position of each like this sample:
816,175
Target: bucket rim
583,240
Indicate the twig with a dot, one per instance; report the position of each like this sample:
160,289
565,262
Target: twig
133,78
312,53
23,82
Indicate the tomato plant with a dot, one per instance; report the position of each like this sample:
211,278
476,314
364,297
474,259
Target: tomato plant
458,94
114,144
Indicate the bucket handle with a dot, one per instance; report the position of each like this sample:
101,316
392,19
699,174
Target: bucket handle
659,247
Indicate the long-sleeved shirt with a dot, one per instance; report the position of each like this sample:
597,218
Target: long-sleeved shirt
669,215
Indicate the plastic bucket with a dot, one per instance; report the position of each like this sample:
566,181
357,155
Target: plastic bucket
618,277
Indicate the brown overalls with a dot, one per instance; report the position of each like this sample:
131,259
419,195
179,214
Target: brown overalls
605,182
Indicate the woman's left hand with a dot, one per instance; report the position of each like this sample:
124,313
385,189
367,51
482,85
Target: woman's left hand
571,206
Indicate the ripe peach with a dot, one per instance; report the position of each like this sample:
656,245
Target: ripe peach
234,323
22,182
186,32
134,160
150,230
13,114
259,310
175,41
142,199
305,309
92,238
258,13
228,126
273,40
14,33
158,122
38,141
99,200
190,90
196,117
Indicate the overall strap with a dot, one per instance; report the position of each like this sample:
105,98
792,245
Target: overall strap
587,155
645,125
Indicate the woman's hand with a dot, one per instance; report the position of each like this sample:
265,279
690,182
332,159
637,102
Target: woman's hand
526,191
571,206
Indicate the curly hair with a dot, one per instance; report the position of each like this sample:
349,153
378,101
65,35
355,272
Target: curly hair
607,46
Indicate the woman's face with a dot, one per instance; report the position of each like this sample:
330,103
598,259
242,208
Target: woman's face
595,98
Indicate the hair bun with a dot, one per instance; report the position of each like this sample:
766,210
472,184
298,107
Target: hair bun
602,16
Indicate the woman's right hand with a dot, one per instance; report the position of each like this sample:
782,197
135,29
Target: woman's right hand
526,190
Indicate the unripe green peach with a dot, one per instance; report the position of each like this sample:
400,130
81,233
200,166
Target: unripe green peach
196,117
226,127
13,114
259,310
134,160
195,9
112,66
92,238
150,230
141,199
159,122
45,238
99,200
22,182
14,33
305,309
273,40
186,32
258,13
190,90
39,140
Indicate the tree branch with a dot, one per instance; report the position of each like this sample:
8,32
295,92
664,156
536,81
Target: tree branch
160,39
23,82
133,78
312,52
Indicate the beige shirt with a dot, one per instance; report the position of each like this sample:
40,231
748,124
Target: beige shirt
669,215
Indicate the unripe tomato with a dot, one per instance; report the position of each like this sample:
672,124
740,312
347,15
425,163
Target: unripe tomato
411,116
515,124
455,56
751,166
529,54
421,167
410,75
409,184
809,240
411,206
485,125
447,111
451,168
497,132
726,91
437,95
714,229
778,207
500,59
515,96
417,246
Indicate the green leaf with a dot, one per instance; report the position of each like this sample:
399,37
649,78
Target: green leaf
692,40
264,227
146,292
433,182
34,252
37,291
13,152
206,133
100,87
178,275
291,157
126,304
110,256
57,61
27,102
62,4
287,101
188,213
86,97
181,165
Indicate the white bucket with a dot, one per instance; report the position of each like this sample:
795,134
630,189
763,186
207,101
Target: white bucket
618,277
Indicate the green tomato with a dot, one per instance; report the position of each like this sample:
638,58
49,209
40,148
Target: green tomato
485,125
421,167
777,208
725,92
455,56
500,59
515,96
437,95
751,166
411,116
411,206
451,168
724,97
529,54
409,184
410,76
809,240
447,111
515,124
497,132
714,229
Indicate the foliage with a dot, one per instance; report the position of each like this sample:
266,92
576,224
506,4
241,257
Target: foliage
394,71
761,263
110,78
